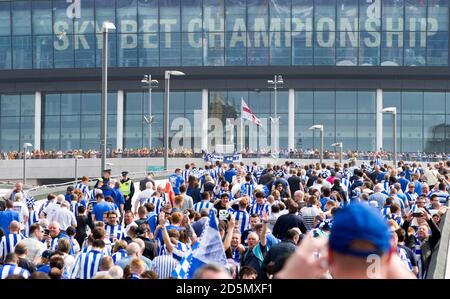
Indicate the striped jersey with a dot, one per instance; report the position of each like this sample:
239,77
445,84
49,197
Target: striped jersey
442,195
396,218
242,219
117,256
404,257
412,197
84,189
32,219
185,174
345,184
8,243
378,162
203,205
179,251
386,211
259,209
114,232
164,265
247,189
11,269
74,207
54,241
86,265
158,202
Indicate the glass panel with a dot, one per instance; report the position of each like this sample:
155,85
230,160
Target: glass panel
328,122
51,104
148,49
438,15
346,101
5,53
258,48
193,101
324,102
257,12
84,50
5,18
434,103
104,11
132,132
213,15
302,48
392,49
111,133
112,46
26,130
367,102
112,103
437,51
148,15
236,16
61,22
304,102
27,102
412,102
10,105
50,133
324,51
170,49
303,136
213,48
369,48
169,14
387,132
347,48
86,23
415,15
90,132
128,50
9,132
176,103
280,48
259,102
369,15
191,15
70,132
42,17
415,49
236,48
393,15
63,51
346,130
283,101
391,99
70,104
366,132
133,103
21,17
192,49
43,52
411,133
22,52
126,16
434,133
302,15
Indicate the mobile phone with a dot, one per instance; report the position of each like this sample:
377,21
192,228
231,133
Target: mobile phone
46,231
417,214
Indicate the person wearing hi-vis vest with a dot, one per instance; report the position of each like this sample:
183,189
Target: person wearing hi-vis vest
127,189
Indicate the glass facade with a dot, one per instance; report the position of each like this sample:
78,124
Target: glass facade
47,34
72,121
183,105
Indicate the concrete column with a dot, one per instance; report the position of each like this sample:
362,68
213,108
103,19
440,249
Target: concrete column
120,107
291,123
204,127
37,120
379,120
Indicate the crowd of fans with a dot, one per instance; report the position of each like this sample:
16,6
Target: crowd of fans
274,221
246,153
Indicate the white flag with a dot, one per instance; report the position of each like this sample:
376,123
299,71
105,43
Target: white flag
246,113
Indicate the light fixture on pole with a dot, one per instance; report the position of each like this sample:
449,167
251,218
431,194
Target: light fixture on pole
25,147
276,83
150,84
104,118
167,75
76,166
320,128
339,144
393,111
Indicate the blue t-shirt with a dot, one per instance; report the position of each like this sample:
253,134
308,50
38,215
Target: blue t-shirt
119,199
229,174
101,208
176,181
6,217
168,227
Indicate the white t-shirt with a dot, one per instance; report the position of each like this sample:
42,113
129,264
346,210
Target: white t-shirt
22,209
51,210
65,218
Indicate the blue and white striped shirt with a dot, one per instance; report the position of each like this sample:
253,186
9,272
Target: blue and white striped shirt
32,219
185,174
179,251
84,189
247,189
259,209
8,243
412,197
117,256
442,195
203,205
11,269
114,232
242,219
164,265
86,265
158,202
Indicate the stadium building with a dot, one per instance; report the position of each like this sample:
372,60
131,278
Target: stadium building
342,61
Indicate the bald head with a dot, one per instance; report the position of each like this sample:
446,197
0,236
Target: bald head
133,249
14,227
149,185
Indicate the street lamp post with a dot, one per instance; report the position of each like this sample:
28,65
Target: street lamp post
149,120
276,83
320,128
25,146
104,118
339,144
167,75
393,111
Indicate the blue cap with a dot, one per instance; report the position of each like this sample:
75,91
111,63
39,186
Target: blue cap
359,222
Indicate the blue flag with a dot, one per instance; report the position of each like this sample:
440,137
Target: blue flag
209,250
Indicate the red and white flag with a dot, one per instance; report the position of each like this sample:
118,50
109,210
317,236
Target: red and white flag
246,113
